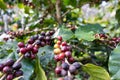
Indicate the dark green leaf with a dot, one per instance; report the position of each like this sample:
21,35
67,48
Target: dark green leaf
27,68
117,16
114,63
64,32
45,55
87,32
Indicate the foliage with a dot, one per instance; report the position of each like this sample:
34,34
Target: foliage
90,27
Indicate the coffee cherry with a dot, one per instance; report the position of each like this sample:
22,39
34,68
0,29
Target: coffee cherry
42,44
58,42
18,73
21,44
65,66
77,65
37,42
64,44
68,54
35,50
36,36
72,69
47,33
63,72
1,67
69,47
7,69
9,62
51,32
47,38
10,77
23,50
30,47
27,55
58,70
59,38
64,48
56,57
57,51
56,46
33,56
17,66
71,59
43,33
41,38
30,41
61,56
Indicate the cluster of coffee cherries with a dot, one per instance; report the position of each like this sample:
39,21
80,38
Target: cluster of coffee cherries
63,55
30,49
11,69
112,42
28,3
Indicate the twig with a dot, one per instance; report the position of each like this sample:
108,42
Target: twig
58,11
3,77
78,48
66,13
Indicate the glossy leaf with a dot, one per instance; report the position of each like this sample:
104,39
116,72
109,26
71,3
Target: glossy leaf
2,5
87,32
96,72
114,63
27,68
64,32
45,54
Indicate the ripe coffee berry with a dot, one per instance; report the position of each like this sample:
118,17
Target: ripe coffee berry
1,66
18,73
58,70
59,38
23,50
10,77
77,65
61,56
65,66
17,66
9,62
21,44
72,69
7,69
68,54
63,72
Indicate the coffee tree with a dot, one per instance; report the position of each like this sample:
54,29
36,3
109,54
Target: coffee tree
59,40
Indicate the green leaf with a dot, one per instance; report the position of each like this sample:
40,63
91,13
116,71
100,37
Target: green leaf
2,5
87,32
45,55
64,32
21,5
117,16
40,74
96,72
114,63
27,68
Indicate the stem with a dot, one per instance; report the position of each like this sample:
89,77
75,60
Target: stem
58,11
19,59
3,77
